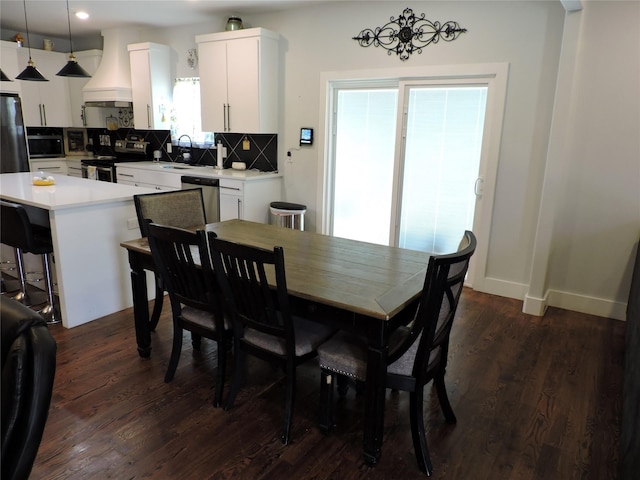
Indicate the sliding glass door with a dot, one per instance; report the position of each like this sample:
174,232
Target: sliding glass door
364,163
405,163
440,165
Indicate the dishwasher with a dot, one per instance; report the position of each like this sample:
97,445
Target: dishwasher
210,194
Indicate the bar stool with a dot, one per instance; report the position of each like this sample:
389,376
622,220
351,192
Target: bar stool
17,231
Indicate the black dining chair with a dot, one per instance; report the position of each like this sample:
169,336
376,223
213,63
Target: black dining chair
263,324
175,208
417,352
183,262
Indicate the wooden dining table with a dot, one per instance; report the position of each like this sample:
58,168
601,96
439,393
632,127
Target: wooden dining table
361,287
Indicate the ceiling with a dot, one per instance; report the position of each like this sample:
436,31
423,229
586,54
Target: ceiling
49,17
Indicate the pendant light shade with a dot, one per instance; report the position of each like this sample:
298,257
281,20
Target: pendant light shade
72,69
30,73
3,77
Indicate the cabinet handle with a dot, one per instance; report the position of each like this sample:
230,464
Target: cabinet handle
83,115
224,117
40,112
228,118
148,116
230,188
125,175
44,114
239,208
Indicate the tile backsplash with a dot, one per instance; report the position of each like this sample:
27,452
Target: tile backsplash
257,151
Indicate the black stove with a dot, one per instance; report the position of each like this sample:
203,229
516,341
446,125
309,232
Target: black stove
102,167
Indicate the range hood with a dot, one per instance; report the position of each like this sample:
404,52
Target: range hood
110,86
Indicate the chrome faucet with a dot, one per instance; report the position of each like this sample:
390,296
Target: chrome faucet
186,153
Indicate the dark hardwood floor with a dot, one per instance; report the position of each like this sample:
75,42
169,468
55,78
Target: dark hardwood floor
535,398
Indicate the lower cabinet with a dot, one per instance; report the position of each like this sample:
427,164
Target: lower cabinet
248,200
147,179
74,168
245,199
49,165
231,199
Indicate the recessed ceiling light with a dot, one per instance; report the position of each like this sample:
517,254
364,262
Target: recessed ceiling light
82,15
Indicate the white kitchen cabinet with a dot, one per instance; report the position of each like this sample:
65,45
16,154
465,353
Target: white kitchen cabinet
248,200
239,81
49,165
74,167
149,179
45,104
151,85
10,67
80,116
231,199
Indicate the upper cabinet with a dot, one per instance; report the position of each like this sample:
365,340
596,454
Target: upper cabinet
239,81
9,66
151,85
45,104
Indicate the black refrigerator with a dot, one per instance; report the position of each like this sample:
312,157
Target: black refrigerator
13,137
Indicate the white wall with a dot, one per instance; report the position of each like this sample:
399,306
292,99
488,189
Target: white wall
594,174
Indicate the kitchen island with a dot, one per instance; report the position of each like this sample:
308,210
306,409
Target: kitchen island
88,221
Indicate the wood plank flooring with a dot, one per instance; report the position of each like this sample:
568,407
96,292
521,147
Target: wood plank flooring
535,398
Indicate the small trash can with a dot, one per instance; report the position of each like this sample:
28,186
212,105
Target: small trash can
288,215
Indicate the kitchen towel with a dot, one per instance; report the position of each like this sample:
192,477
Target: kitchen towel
91,173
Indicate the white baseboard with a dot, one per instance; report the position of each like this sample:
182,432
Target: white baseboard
585,304
600,307
503,288
535,306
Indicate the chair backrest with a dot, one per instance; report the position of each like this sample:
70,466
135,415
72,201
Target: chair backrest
243,272
28,371
182,261
429,331
15,229
175,208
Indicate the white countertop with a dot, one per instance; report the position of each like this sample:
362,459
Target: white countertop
67,192
203,171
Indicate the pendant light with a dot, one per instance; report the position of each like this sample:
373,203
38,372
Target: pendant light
72,69
30,73
3,77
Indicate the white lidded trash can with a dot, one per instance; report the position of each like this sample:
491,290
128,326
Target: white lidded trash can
288,215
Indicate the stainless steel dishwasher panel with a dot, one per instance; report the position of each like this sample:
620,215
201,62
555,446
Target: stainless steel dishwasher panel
210,193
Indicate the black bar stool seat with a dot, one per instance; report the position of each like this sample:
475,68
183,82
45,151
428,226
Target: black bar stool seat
17,231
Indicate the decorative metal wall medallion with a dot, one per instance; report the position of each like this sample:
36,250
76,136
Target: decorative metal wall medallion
408,34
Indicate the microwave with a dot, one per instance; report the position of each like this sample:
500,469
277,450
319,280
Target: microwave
45,145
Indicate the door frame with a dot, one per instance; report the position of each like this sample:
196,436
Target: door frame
495,75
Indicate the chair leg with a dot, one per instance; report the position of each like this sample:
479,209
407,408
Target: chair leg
176,349
157,304
343,385
237,374
325,414
22,296
443,398
196,341
289,402
50,311
220,374
416,419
